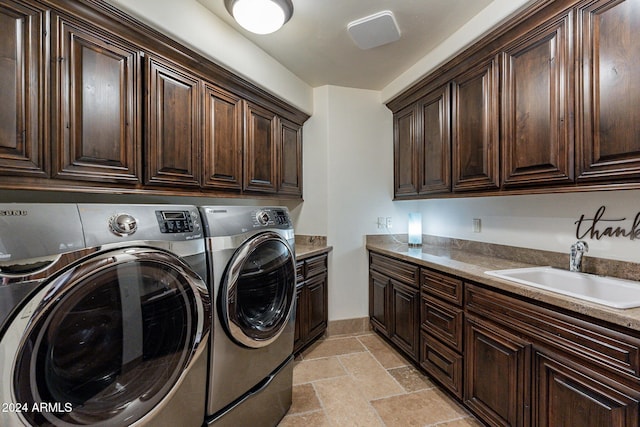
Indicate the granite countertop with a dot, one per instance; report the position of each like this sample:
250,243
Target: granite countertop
308,251
470,265
309,246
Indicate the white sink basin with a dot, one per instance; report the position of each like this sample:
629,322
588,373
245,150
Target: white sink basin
609,291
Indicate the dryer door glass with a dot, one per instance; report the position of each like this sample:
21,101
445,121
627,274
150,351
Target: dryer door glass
259,290
109,340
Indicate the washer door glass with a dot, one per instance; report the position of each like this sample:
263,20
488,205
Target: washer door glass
258,290
110,339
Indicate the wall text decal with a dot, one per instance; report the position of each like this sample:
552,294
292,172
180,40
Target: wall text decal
599,227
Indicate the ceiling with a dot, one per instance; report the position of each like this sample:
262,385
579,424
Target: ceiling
316,47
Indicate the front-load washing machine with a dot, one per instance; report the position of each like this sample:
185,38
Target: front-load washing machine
252,279
104,315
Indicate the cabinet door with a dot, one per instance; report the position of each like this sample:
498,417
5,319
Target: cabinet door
379,291
434,169
97,128
475,129
173,125
260,170
290,176
608,140
301,327
222,140
24,76
317,306
567,395
497,374
405,323
405,152
537,134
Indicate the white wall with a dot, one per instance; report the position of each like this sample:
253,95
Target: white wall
194,25
546,222
492,15
348,183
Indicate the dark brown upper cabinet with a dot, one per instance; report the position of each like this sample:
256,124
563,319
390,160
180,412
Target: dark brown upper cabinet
222,141
290,158
261,134
475,122
97,127
94,99
537,136
24,74
546,102
405,152
608,139
434,142
173,125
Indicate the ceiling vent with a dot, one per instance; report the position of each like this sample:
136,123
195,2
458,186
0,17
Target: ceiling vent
374,30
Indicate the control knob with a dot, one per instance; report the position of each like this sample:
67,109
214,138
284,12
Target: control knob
123,224
263,217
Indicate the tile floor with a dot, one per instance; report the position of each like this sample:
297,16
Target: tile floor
360,380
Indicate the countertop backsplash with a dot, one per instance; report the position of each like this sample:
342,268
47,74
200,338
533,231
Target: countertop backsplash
599,266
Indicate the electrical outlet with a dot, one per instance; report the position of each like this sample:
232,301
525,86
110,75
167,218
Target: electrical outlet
381,222
388,222
477,225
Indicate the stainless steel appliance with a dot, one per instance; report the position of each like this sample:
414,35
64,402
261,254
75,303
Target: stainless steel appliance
252,280
104,316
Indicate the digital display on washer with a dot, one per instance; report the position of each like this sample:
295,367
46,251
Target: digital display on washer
174,221
174,215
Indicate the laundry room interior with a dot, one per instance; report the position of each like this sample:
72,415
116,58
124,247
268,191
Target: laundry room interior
381,213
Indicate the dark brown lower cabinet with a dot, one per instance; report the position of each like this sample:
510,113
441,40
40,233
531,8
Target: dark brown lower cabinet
441,362
497,374
568,395
311,301
510,360
379,288
394,303
405,305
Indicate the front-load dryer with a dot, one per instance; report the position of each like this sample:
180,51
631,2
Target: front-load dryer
104,315
252,279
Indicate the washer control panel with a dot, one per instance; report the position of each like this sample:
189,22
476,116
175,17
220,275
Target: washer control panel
176,221
278,217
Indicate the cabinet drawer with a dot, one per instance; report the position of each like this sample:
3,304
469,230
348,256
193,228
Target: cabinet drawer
315,266
605,346
443,321
446,287
444,364
399,270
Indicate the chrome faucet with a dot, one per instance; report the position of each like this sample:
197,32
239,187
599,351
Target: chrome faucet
577,251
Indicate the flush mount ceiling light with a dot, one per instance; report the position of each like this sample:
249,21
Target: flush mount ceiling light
375,30
260,16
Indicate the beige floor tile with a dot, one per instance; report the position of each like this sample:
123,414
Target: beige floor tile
334,347
418,409
360,380
411,379
344,405
304,399
465,422
310,419
307,371
386,355
373,381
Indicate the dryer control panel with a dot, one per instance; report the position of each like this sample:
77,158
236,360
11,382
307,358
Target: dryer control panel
272,217
175,221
